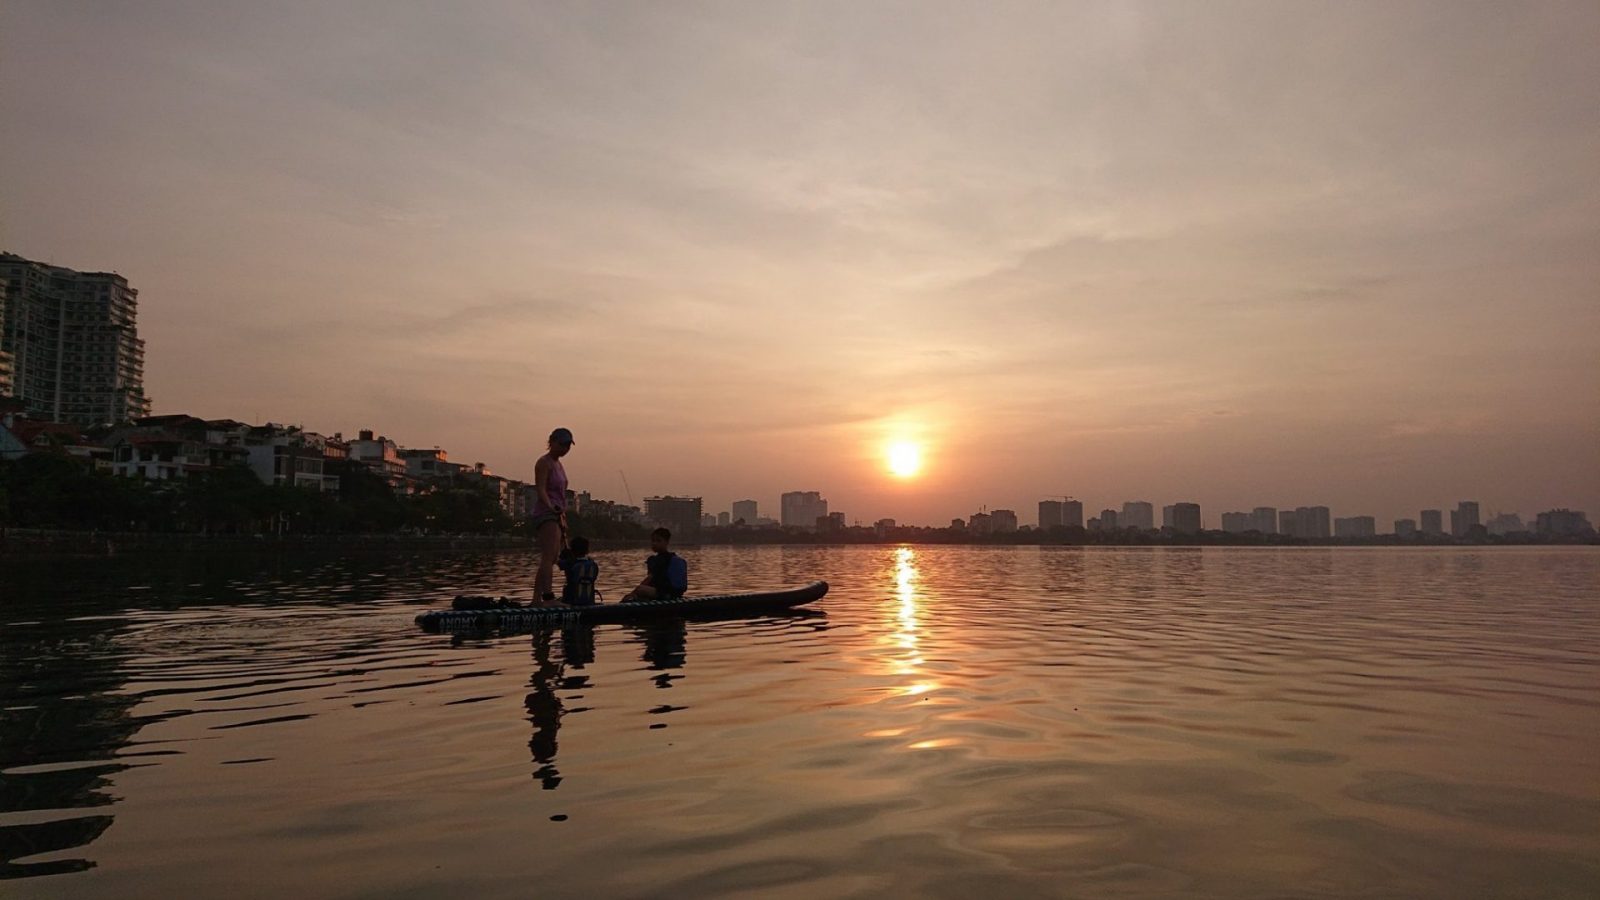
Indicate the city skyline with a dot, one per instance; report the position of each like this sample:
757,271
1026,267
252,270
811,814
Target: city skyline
1230,256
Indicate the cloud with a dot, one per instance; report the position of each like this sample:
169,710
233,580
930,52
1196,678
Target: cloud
1082,230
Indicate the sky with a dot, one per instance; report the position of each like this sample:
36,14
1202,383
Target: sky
1240,254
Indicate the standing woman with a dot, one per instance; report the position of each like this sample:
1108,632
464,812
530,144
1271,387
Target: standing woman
549,517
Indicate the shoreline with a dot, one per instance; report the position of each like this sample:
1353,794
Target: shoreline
34,543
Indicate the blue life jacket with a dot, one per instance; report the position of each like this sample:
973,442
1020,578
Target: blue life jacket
582,573
669,573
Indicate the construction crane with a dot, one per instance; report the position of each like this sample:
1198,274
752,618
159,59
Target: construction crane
625,487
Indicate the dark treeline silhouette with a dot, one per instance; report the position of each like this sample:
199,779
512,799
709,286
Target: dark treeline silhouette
43,490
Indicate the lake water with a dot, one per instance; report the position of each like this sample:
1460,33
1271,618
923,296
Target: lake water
956,722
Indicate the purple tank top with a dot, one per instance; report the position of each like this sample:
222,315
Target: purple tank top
554,498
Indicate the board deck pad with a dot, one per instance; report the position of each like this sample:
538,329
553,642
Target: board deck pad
542,616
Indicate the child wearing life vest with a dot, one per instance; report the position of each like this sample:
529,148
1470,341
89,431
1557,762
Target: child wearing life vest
581,571
666,573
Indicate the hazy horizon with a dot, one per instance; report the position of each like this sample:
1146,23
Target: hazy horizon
1235,254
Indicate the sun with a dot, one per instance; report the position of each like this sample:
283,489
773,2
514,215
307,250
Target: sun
905,459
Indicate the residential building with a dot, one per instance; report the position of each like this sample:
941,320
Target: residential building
802,509
161,448
1237,522
1004,521
724,519
512,495
71,343
157,457
1355,527
20,436
680,515
1563,522
1406,528
1506,523
1072,513
1094,523
1137,514
1186,518
608,510
283,455
382,456
1109,520
832,523
1311,522
1432,521
11,446
1464,518
707,520
1264,519
745,510
1049,515
429,464
980,523
335,448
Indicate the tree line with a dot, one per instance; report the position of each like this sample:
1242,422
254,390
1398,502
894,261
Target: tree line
43,490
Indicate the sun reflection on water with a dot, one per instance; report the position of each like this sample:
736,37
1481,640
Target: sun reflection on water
909,660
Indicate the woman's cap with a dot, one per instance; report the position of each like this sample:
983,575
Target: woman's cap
561,436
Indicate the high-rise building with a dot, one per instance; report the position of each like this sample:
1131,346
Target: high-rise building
1405,528
71,343
1109,520
679,515
1311,522
1049,515
1186,518
1464,518
5,355
1264,519
1432,521
802,509
1072,513
1355,527
1237,522
1137,514
1506,523
980,523
1004,521
707,520
746,510
1565,522
724,519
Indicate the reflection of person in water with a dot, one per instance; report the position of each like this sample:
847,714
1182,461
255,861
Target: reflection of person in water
544,705
544,710
664,648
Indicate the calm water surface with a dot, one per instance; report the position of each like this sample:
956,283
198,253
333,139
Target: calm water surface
955,722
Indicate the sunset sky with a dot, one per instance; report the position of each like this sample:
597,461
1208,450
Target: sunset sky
1242,254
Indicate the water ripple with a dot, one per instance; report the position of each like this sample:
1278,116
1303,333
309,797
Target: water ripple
1006,721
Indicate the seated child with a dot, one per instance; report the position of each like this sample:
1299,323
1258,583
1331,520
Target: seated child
582,572
666,573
